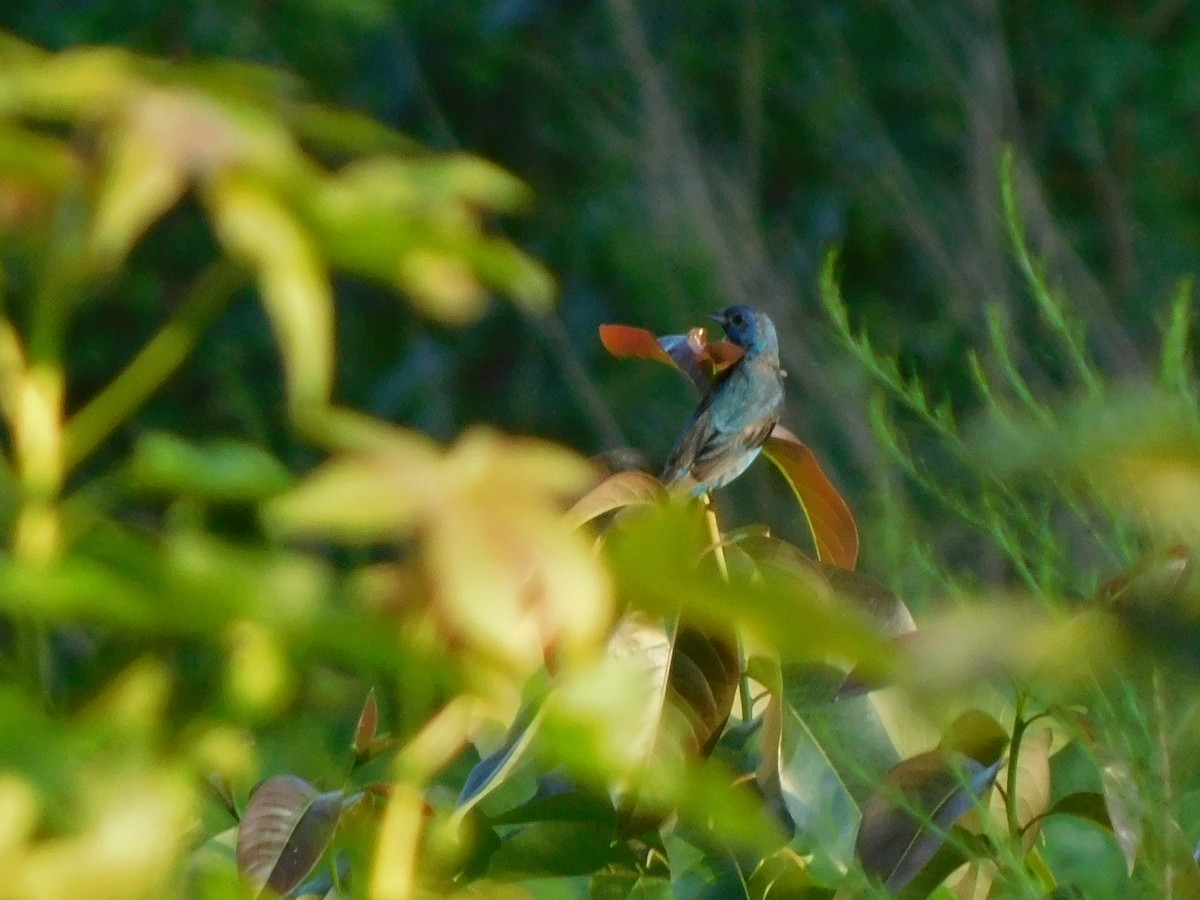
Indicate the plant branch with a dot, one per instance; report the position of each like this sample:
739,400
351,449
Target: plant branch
1014,755
154,364
745,696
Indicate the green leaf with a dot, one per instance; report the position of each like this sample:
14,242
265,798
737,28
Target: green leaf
212,867
503,265
629,886
257,229
43,164
870,675
569,803
820,758
143,177
81,589
559,848
701,871
220,470
854,592
785,874
1175,367
1088,805
653,556
347,131
557,888
494,769
638,724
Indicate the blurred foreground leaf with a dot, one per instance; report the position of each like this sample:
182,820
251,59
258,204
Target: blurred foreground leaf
220,470
662,563
509,576
259,230
959,649
1137,450
691,679
616,492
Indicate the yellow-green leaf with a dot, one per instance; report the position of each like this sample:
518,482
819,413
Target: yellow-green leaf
139,183
257,228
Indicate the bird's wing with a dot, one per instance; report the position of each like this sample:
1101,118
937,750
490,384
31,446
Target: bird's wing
695,432
694,436
725,448
723,430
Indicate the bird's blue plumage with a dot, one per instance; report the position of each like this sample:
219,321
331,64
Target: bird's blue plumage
726,432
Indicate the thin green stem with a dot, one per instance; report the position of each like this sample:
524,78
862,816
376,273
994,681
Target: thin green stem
154,364
1041,870
1176,355
1162,745
1014,756
36,416
745,695
1048,300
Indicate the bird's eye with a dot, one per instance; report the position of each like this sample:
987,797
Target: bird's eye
737,319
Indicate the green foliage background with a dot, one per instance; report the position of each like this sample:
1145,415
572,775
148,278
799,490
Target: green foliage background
683,157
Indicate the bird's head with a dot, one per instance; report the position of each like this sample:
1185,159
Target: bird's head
749,329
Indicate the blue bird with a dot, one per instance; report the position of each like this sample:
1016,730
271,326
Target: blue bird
737,415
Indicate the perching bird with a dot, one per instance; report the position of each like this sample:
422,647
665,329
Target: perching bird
742,406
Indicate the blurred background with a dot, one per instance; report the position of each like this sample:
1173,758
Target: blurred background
689,156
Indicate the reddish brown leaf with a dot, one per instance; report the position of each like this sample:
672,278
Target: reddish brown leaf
1154,576
615,492
723,354
685,352
905,821
691,353
835,534
284,832
368,724
626,340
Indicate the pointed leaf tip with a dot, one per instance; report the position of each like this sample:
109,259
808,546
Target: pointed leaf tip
692,353
906,820
629,341
368,724
615,492
834,531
